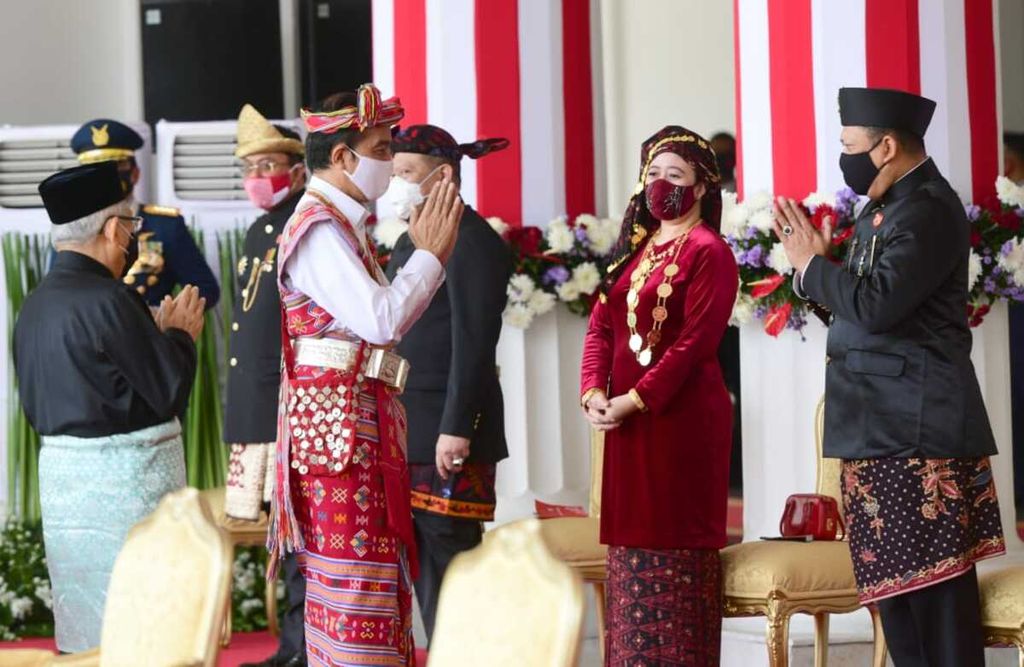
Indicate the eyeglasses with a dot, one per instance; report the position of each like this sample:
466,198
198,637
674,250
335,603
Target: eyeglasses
134,220
262,168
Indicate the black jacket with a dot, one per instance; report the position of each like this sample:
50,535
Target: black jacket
254,370
90,360
899,380
453,382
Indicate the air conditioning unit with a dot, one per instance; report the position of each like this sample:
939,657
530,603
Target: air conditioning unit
29,154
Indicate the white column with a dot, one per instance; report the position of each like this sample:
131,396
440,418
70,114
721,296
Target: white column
991,357
548,438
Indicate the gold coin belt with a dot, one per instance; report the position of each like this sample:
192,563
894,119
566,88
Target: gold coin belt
650,261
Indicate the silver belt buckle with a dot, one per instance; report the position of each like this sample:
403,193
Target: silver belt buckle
389,368
325,353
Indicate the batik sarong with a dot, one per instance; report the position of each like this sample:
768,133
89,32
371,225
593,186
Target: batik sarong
467,494
916,522
664,607
92,491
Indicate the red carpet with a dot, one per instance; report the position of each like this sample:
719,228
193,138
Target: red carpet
245,647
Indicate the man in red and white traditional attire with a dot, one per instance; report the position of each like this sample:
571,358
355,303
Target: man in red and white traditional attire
342,496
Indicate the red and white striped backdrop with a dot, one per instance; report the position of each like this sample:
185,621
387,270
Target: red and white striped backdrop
520,69
786,103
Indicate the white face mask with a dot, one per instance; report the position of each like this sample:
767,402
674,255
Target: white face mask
405,196
371,176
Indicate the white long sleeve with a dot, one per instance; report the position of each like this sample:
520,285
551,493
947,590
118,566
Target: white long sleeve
798,279
327,269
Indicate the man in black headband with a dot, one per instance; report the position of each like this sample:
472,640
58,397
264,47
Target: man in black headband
452,398
903,407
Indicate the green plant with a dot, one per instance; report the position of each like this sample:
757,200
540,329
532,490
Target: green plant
25,258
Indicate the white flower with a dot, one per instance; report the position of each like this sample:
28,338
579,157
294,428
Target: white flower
559,237
518,315
44,594
387,232
763,220
250,605
568,291
816,199
1013,261
586,277
498,225
21,607
742,310
760,200
778,260
541,302
601,233
973,270
1009,192
734,217
521,287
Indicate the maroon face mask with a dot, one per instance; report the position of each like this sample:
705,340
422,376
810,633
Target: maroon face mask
666,201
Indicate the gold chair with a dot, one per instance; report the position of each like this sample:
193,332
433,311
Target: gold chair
779,579
242,534
576,540
165,598
1002,608
509,602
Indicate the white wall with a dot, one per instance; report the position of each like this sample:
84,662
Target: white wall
1011,47
62,61
665,62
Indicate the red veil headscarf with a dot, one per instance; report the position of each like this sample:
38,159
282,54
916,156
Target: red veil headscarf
638,223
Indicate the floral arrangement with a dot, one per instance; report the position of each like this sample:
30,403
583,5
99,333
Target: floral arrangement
563,263
996,268
26,601
25,597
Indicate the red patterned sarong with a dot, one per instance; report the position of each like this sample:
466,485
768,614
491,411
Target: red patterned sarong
358,589
664,607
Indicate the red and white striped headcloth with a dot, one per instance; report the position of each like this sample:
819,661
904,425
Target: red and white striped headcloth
370,111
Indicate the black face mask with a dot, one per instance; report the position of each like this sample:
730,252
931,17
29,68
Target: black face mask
131,254
859,171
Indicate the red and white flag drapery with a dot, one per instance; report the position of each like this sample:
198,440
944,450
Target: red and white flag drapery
520,69
786,103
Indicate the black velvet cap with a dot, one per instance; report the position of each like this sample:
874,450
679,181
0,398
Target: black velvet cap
76,192
883,107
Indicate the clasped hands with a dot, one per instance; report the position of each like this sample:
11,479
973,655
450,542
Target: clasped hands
606,414
800,239
184,311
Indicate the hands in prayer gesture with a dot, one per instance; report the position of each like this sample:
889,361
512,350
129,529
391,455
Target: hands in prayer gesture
799,237
184,312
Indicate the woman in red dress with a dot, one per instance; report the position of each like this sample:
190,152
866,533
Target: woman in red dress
651,380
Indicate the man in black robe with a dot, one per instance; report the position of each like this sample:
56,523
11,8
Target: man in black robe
101,381
452,397
903,408
274,178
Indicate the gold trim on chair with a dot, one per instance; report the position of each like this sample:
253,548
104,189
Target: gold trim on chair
779,579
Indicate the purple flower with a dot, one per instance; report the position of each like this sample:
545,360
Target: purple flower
1007,247
753,257
990,285
556,275
973,212
752,232
846,199
581,234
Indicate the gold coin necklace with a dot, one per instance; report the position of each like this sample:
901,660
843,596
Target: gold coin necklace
650,261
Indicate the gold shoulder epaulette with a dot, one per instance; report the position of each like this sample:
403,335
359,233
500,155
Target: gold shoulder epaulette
155,209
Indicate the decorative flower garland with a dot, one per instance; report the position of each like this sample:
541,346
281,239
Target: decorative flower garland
996,267
564,262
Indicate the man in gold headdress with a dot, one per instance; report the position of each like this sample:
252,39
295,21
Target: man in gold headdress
274,178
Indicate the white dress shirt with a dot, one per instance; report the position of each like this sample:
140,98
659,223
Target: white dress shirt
326,268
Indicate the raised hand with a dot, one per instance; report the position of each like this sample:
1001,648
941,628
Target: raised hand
435,227
184,312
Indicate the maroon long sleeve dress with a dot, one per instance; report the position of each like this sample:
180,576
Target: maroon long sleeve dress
666,470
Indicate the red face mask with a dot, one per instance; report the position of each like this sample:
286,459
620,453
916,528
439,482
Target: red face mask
666,201
267,192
